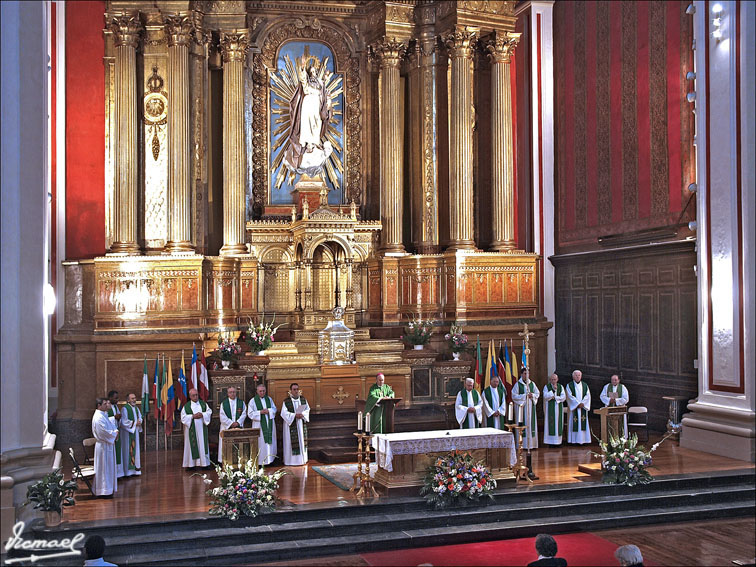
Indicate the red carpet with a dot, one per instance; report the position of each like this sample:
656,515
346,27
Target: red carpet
578,549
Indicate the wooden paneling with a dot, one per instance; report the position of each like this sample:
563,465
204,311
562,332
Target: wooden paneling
632,312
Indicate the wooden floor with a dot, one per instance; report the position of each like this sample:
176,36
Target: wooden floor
165,489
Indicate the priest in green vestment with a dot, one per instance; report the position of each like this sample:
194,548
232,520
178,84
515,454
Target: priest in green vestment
114,413
468,407
378,391
495,404
615,394
554,395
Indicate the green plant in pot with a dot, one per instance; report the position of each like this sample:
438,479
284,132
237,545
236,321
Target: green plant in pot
51,494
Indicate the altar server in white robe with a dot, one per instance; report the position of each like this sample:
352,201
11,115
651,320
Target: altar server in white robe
525,395
105,433
232,414
262,411
295,412
195,416
469,407
131,427
495,404
579,402
615,394
554,396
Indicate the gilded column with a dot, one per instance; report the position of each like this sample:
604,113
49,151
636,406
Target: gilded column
234,50
500,50
126,31
178,30
461,210
389,53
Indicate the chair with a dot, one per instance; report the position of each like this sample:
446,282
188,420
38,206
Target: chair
637,418
89,445
81,472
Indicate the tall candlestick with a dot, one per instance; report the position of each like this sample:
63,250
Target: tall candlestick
359,421
509,412
367,423
519,414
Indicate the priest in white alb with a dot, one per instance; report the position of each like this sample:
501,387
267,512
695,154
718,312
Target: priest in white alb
469,407
105,433
295,413
195,416
262,412
615,394
232,414
525,395
579,402
495,404
553,411
131,427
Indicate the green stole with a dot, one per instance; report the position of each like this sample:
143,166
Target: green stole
226,405
552,406
111,413
132,439
611,389
293,429
266,424
583,414
376,412
489,397
193,430
476,400
521,391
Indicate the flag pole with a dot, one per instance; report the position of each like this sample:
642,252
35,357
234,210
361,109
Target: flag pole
144,417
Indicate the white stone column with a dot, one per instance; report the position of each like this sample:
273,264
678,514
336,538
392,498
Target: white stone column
722,417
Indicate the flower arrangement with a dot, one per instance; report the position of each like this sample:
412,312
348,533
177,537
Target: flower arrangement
623,461
243,491
227,349
456,339
418,332
456,477
261,337
52,493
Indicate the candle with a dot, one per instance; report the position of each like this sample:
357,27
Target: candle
359,421
367,423
519,414
509,413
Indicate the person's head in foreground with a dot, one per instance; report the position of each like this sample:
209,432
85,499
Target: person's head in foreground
545,545
629,556
94,547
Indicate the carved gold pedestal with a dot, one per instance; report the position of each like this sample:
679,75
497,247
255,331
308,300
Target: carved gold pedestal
520,470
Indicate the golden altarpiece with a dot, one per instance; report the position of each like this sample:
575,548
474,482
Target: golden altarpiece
292,157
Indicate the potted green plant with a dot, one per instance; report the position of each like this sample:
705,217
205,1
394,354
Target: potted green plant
51,494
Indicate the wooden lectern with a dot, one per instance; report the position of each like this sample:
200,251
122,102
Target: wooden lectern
239,445
389,405
612,421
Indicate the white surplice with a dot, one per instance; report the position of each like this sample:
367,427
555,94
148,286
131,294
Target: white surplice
186,419
289,418
105,432
582,395
528,411
620,400
460,409
127,427
559,396
499,405
226,421
267,451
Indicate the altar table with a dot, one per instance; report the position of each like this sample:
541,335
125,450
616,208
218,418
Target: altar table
403,458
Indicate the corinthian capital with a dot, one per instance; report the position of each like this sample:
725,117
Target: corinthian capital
461,42
234,46
501,47
389,51
179,29
126,29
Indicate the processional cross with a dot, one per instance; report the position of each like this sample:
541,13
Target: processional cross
525,334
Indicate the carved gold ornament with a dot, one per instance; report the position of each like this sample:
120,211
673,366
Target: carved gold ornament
155,110
340,395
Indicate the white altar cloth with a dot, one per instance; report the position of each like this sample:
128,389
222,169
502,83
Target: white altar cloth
387,445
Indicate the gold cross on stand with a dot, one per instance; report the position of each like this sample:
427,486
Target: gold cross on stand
525,334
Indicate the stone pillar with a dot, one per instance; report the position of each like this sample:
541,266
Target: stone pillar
234,50
349,290
178,30
126,30
461,210
389,53
308,284
500,50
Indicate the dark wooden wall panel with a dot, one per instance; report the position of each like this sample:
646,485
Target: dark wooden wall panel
631,311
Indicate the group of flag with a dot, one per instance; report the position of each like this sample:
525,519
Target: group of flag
169,396
504,366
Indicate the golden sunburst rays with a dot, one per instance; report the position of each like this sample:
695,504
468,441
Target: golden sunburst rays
283,86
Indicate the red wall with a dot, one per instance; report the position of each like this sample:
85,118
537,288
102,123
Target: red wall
85,130
624,131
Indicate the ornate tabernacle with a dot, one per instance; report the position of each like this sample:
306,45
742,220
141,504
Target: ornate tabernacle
336,341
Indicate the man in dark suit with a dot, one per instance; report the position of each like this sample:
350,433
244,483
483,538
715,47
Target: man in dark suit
546,547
